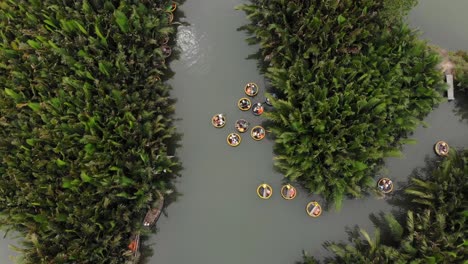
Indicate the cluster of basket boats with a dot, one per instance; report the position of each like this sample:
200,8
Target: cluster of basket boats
289,192
244,104
313,208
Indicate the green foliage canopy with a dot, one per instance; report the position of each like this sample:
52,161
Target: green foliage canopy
85,124
350,86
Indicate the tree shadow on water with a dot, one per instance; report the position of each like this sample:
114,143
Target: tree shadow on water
461,105
400,199
402,202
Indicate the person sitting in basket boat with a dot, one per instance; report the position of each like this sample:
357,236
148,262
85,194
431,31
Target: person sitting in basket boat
244,104
242,125
233,139
266,192
443,148
258,109
251,89
316,210
166,50
382,184
218,120
291,192
258,133
385,185
268,101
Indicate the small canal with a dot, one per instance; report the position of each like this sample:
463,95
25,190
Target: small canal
218,218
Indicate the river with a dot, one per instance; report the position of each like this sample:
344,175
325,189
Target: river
219,218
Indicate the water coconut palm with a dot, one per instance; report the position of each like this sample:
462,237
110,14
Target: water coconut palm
86,125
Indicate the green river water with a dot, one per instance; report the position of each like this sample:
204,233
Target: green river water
218,218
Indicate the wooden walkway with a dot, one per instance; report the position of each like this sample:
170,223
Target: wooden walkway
448,68
449,79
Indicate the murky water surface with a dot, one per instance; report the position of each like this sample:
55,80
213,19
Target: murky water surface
219,218
442,22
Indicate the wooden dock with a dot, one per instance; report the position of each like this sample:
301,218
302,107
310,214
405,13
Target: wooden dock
448,68
449,79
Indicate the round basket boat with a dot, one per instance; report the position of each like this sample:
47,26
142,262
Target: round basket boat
441,148
251,89
218,120
314,209
264,191
258,133
170,17
268,101
288,192
166,50
242,125
244,104
233,139
165,40
257,109
172,7
385,185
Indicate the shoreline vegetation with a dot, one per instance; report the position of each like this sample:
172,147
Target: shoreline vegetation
351,87
431,228
86,125
455,63
460,61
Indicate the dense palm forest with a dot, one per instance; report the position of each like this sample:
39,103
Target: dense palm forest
431,229
85,124
351,86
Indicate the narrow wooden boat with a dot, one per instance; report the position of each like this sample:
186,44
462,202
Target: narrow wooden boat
153,214
257,109
442,148
134,245
258,133
244,104
314,209
218,120
170,17
171,8
264,191
385,185
251,89
233,139
134,248
242,125
288,192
